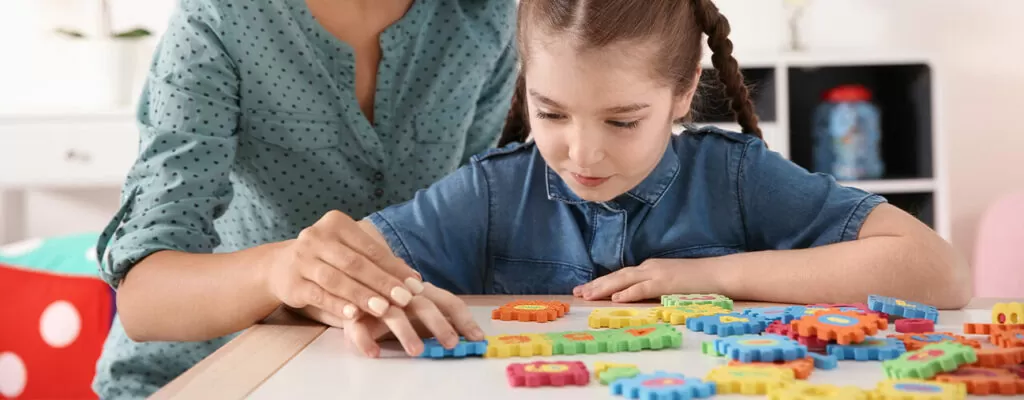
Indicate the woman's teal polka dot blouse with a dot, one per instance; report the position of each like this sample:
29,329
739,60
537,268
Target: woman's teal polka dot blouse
250,131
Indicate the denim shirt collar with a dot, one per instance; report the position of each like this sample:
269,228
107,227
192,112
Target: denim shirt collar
649,191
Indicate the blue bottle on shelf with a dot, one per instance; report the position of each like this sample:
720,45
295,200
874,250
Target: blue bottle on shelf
847,131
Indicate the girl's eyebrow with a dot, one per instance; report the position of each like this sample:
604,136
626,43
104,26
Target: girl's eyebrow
611,110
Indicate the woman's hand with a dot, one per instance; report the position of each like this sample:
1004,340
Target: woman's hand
651,279
337,267
435,312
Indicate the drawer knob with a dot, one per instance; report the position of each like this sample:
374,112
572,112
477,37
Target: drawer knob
77,156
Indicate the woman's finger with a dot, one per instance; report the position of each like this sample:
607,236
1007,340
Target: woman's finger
339,285
356,236
456,311
398,322
358,333
427,313
305,293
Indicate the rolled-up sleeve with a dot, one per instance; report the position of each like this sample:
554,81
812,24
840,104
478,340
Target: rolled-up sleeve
442,231
187,119
786,207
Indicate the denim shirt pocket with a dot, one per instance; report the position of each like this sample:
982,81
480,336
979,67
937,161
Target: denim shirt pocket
525,276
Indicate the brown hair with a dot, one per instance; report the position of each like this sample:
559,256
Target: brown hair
675,25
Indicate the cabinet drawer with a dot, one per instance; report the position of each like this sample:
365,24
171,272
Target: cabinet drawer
67,153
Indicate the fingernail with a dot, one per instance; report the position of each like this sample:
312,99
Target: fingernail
349,311
378,305
415,286
401,296
477,333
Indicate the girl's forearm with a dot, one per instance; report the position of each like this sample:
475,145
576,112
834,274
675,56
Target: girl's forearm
911,269
176,296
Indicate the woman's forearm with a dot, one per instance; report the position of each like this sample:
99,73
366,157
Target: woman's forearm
176,296
847,272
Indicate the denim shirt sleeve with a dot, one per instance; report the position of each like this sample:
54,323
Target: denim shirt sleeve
442,231
786,207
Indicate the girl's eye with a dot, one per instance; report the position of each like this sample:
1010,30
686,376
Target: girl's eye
624,124
546,115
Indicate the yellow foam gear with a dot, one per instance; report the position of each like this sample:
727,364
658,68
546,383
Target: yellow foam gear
619,317
521,345
677,315
1008,313
904,389
748,379
800,390
601,366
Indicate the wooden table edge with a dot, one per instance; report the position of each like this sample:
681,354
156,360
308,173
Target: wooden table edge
243,364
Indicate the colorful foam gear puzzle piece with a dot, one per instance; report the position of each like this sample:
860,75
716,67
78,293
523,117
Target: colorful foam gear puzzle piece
857,307
726,324
871,349
677,315
577,342
530,311
999,357
915,341
801,367
824,362
522,345
619,317
748,380
601,366
784,329
985,381
1008,313
902,308
708,348
807,391
975,328
763,348
914,389
1009,338
914,325
465,348
797,312
929,361
663,385
645,337
545,373
613,374
844,327
770,314
692,299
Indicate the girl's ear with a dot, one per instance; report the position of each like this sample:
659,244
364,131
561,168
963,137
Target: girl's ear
684,101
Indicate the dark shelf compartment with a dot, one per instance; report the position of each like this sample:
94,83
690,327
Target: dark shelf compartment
711,104
902,94
920,205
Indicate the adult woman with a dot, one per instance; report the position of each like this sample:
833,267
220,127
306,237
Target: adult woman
259,118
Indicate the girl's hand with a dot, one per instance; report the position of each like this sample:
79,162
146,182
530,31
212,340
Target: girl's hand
651,279
337,267
432,313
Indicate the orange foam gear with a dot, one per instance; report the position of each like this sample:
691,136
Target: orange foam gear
913,341
975,328
985,381
999,357
530,311
845,327
1009,338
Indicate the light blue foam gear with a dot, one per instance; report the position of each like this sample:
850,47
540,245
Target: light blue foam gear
871,349
824,362
902,308
770,314
760,348
663,385
727,324
433,349
933,338
797,312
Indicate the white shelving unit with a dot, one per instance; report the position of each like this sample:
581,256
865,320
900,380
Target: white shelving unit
782,85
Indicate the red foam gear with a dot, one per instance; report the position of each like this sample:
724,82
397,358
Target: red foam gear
546,373
914,325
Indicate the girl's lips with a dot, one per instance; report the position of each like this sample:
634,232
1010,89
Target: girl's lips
588,181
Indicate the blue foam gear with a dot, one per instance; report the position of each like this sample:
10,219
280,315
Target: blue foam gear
727,324
824,362
760,348
871,349
902,308
662,385
770,314
433,349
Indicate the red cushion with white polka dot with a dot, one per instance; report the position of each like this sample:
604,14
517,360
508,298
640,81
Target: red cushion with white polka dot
53,332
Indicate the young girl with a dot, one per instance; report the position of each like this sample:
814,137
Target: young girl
606,201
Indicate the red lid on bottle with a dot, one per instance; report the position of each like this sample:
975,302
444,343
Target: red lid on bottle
848,93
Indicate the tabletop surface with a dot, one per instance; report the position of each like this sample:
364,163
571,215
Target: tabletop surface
291,358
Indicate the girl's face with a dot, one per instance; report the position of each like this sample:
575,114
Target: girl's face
599,118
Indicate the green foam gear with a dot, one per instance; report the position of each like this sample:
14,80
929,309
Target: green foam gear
578,342
929,361
669,300
614,374
644,337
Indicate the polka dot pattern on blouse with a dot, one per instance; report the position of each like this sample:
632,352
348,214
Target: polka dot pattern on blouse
250,132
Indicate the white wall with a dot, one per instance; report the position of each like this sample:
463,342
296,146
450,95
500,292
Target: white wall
979,47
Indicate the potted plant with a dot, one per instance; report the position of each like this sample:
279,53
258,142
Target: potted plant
108,60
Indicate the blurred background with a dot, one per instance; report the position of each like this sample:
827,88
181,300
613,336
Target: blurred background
917,100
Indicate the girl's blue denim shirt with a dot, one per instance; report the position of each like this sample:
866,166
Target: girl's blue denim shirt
508,224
